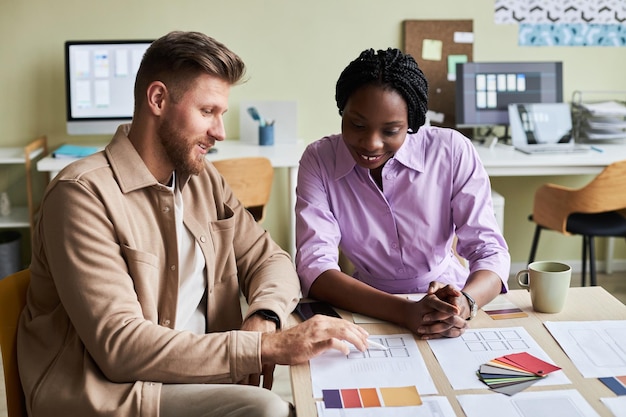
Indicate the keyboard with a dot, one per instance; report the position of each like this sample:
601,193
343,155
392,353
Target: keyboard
564,148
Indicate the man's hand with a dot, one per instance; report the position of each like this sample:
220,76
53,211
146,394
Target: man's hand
309,339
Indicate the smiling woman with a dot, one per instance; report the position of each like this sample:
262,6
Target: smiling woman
392,194
374,125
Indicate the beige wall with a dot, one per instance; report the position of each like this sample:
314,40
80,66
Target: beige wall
294,50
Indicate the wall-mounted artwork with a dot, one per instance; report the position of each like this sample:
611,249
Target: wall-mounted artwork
565,22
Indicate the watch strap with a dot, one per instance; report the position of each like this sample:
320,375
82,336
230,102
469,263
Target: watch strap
472,305
269,315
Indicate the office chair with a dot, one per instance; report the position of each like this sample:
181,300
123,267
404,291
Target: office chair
597,209
12,301
251,180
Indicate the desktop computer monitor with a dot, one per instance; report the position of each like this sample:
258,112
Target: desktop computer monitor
484,90
99,83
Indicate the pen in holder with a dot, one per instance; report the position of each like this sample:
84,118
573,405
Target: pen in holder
266,127
266,134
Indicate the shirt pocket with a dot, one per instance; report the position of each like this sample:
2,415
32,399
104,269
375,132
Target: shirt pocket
143,268
222,235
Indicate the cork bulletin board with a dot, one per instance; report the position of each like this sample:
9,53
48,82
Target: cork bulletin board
437,45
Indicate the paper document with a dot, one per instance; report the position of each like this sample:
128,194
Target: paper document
617,405
462,356
606,108
597,348
433,407
401,365
501,308
559,403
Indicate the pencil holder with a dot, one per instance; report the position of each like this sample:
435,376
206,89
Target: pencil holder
266,135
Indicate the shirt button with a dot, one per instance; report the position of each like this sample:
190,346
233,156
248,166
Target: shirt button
400,270
166,322
390,176
394,245
173,267
166,209
202,239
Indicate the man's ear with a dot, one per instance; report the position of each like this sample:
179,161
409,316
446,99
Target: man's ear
156,94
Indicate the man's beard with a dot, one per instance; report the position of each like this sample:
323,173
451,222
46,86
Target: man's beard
179,150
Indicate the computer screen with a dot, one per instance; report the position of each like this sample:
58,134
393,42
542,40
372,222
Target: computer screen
99,83
484,90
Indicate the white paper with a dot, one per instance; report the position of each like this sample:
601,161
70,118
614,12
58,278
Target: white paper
559,403
461,357
606,108
617,405
595,347
463,37
431,407
499,303
401,365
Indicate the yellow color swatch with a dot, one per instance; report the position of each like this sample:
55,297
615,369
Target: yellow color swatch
400,396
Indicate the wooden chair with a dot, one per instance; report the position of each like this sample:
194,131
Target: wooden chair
597,209
12,301
251,181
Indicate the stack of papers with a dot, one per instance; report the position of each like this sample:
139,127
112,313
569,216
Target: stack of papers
603,121
614,108
510,374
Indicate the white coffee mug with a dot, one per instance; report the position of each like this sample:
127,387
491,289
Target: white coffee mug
548,283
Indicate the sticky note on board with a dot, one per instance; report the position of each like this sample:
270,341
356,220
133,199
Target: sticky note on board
431,49
464,37
452,61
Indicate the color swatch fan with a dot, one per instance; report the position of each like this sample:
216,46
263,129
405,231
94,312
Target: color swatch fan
510,374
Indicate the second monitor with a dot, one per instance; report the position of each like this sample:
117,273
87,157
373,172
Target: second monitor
484,90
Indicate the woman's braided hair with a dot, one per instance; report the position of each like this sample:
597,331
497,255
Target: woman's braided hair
389,69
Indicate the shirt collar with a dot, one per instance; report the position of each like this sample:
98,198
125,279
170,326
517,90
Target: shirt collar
410,154
345,163
130,170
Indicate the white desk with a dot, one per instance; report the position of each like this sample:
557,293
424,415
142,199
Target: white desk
281,155
504,161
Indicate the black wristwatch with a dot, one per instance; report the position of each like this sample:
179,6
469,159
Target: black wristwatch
472,305
269,315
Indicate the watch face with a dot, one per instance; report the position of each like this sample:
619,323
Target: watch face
474,310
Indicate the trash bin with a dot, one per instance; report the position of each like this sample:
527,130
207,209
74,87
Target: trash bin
10,252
